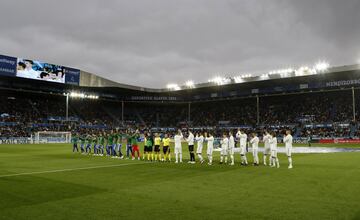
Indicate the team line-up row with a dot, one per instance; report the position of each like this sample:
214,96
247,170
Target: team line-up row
112,144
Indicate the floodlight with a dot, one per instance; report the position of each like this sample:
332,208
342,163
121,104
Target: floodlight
238,79
217,80
322,66
305,70
173,86
83,95
190,84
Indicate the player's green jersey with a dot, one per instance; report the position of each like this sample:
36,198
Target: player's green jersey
106,139
116,138
128,138
110,139
134,139
102,140
149,142
95,140
120,136
74,139
82,140
88,140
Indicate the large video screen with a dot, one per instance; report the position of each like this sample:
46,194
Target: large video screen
33,69
41,71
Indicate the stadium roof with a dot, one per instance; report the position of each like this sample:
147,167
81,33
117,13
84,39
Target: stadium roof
92,80
13,66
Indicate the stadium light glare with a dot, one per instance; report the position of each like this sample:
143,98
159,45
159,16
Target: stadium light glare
173,86
273,72
77,95
83,95
238,79
264,76
217,80
282,72
321,66
305,70
190,84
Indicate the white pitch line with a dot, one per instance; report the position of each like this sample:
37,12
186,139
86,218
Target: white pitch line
65,170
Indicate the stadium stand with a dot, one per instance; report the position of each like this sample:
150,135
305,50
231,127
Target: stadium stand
22,114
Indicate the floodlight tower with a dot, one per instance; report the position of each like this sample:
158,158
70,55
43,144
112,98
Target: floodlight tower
67,107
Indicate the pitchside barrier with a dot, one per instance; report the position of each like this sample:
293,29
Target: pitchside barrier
340,141
15,140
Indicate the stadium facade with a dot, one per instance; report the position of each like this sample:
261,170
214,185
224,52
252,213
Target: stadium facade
342,77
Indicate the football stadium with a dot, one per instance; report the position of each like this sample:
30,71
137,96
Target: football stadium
278,144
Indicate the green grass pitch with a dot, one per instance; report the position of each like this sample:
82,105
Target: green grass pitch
52,185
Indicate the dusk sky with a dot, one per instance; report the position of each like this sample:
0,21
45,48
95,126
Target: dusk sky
152,43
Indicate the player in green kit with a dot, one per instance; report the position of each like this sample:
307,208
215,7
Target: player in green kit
106,144
110,143
127,137
95,144
119,144
114,145
74,141
135,146
88,141
82,144
101,144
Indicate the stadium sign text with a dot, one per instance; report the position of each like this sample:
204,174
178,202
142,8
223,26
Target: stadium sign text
7,65
153,98
343,82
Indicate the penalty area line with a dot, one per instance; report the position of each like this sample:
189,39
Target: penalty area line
67,170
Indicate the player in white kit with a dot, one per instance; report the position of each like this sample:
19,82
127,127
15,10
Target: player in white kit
266,139
243,139
273,147
210,146
178,149
224,148
255,147
190,141
200,143
231,147
288,140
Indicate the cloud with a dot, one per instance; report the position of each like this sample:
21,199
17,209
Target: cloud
151,43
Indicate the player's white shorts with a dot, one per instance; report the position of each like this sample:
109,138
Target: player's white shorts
255,151
242,150
209,151
288,151
199,149
273,153
178,150
231,150
224,151
267,150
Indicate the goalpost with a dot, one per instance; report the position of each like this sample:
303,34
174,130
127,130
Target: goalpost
52,137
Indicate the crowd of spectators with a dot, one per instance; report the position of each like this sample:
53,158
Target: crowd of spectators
23,114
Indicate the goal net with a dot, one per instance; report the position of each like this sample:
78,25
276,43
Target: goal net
52,137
